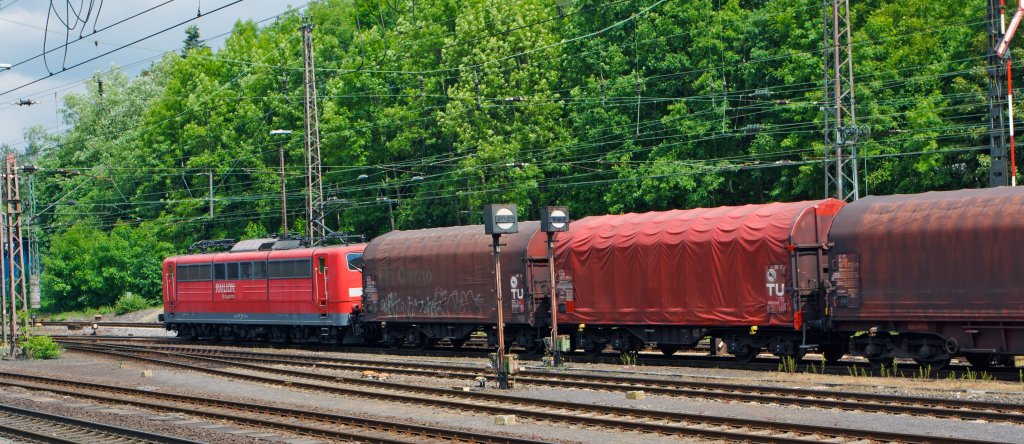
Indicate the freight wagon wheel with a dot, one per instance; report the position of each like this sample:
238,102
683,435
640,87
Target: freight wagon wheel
535,348
746,354
668,350
423,342
833,353
457,343
980,361
593,348
934,364
394,343
879,363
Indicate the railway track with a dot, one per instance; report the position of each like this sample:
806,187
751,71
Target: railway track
845,368
853,401
616,418
32,426
85,324
302,422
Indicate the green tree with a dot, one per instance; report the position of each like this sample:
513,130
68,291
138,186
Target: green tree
192,41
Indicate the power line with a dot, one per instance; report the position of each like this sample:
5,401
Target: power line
66,68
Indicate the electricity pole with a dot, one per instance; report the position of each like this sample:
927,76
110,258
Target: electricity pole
210,173
284,195
841,131
996,96
314,183
16,254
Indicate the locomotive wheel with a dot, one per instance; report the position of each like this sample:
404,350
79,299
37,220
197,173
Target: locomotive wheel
747,354
668,350
980,361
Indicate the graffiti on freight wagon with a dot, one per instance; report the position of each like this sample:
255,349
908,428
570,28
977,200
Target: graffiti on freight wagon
444,302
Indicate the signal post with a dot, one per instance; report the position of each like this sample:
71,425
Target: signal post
500,219
554,220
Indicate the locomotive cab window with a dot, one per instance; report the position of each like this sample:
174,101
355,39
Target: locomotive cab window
245,270
355,261
219,272
232,271
322,264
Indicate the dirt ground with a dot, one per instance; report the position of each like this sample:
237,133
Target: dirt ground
129,373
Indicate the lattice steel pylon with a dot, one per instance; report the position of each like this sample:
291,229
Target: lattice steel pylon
841,131
315,228
996,96
16,254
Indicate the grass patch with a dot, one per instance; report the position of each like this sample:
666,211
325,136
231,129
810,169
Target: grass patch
77,314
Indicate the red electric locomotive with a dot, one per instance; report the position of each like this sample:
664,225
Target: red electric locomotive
264,289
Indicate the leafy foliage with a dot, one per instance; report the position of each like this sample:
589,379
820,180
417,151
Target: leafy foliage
41,347
130,302
429,110
87,267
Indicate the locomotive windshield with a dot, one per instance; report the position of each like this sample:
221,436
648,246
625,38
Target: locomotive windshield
355,261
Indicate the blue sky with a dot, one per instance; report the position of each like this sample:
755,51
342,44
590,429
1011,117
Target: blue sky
23,25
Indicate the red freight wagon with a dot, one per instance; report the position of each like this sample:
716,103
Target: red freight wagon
930,275
263,289
425,285
674,277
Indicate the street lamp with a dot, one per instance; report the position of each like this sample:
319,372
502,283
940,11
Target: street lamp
284,202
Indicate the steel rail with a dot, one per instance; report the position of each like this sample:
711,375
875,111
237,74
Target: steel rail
679,360
46,427
74,389
869,402
87,324
661,422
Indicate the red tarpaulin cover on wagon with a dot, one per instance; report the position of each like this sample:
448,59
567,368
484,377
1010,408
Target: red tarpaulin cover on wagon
705,266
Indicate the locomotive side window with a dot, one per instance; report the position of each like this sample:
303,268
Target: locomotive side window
193,273
259,270
355,261
219,272
232,271
290,269
245,270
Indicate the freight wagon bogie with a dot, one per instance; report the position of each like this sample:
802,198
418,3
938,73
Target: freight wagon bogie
426,335
926,349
